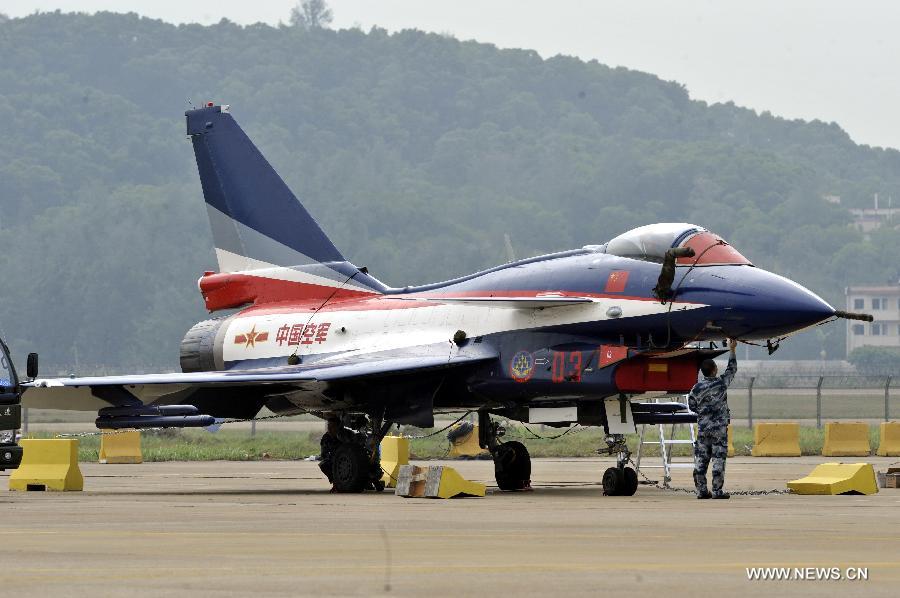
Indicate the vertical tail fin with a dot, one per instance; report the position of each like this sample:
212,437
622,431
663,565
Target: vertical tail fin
257,222
259,227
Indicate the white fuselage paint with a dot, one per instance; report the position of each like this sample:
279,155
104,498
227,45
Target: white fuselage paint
368,331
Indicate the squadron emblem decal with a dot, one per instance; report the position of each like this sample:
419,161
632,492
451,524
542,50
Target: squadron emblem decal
521,368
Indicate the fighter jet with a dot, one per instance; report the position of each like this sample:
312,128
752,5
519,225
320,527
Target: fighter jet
578,336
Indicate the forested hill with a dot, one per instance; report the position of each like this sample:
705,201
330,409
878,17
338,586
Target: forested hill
416,152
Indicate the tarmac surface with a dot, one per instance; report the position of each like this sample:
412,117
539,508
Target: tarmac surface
273,529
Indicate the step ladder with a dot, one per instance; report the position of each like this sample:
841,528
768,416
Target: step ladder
665,453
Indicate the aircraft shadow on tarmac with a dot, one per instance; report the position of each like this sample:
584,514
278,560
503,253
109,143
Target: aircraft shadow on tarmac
555,490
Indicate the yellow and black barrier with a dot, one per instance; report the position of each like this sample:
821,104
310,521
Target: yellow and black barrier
436,481
48,465
776,440
846,439
121,447
837,478
394,455
465,445
889,442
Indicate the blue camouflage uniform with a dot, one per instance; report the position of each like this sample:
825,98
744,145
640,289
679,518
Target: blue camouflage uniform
709,400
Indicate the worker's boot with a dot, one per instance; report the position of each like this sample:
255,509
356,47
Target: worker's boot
721,495
704,495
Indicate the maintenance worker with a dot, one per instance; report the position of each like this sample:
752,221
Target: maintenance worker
709,400
331,439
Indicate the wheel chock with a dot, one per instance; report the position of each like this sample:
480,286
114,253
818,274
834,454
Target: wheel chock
48,465
121,447
435,481
466,446
776,440
394,455
846,439
445,482
889,443
837,478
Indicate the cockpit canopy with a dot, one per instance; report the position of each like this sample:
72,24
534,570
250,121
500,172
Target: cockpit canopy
650,243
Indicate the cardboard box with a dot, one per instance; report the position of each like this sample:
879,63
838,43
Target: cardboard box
889,478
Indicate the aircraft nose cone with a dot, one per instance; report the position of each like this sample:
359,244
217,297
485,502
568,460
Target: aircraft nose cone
769,305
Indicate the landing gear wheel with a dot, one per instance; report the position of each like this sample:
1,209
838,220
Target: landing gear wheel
630,482
620,482
613,481
350,468
512,466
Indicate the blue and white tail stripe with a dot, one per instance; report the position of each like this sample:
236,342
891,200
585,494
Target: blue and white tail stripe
260,229
252,211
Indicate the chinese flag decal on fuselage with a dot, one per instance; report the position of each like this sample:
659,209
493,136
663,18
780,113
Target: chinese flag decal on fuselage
616,281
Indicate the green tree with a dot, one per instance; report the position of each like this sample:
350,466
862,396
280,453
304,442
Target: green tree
311,14
875,360
416,152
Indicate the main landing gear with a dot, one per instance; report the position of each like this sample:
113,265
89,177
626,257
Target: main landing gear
512,463
356,462
618,480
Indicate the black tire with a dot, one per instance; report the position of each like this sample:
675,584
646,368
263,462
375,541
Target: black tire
349,468
613,482
512,466
630,482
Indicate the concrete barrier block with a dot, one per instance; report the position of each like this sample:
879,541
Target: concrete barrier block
846,439
776,440
730,443
48,465
889,440
394,455
466,446
121,447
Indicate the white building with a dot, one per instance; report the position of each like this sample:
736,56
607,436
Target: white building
883,302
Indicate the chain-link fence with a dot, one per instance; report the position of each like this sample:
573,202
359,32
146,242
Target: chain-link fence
807,398
812,399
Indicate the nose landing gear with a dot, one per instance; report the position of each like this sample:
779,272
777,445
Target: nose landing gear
618,480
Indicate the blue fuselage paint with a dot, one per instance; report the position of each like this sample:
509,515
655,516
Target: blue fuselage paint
739,301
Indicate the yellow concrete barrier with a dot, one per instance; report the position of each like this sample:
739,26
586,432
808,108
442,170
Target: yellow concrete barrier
837,478
776,440
467,446
121,447
846,439
394,455
730,443
436,481
48,465
889,441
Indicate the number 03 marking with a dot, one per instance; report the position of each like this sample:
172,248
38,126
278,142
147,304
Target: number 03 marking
566,367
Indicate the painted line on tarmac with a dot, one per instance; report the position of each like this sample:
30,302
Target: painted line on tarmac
442,567
404,534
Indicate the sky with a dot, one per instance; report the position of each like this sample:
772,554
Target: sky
832,60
